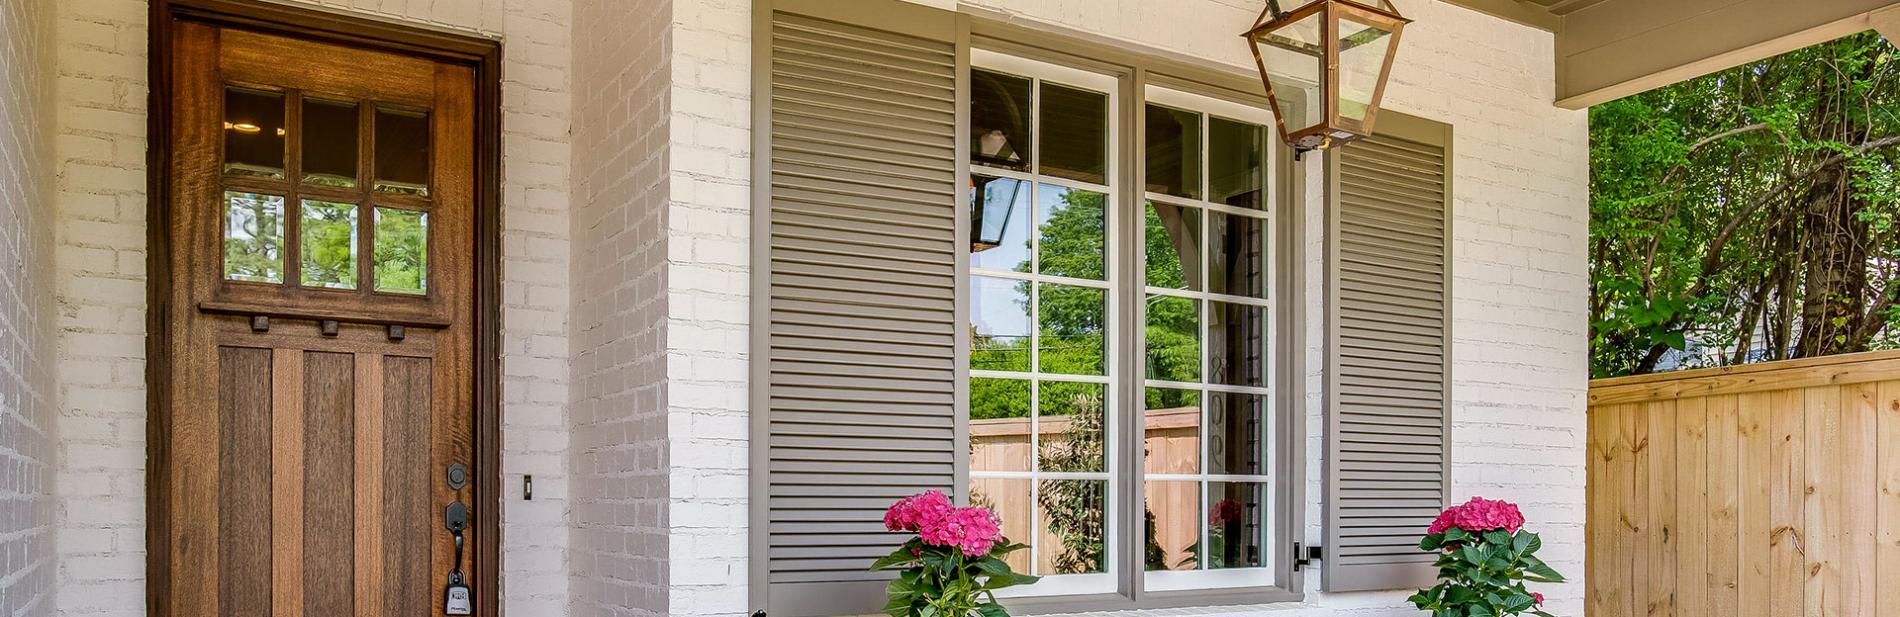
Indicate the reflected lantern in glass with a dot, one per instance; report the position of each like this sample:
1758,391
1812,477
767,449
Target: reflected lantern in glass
1325,65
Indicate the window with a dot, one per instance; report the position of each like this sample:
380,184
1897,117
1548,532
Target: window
1042,380
294,210
1056,369
1207,409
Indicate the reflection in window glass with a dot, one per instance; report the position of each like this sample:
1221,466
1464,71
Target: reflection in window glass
999,120
1174,527
1074,133
1236,433
1237,258
1234,524
1172,422
1174,339
402,251
1237,344
999,425
1236,163
1009,498
253,133
1072,525
329,143
1074,232
402,151
999,324
999,219
1173,236
328,241
253,237
1072,434
1174,152
1072,321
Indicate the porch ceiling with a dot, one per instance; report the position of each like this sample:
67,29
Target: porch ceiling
1608,49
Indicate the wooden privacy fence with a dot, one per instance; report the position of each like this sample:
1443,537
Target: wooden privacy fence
1762,490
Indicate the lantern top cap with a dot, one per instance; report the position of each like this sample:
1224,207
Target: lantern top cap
1272,15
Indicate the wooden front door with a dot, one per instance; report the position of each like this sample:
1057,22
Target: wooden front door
317,375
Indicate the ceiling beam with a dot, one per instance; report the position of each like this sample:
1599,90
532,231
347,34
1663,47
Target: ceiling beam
1617,48
1609,49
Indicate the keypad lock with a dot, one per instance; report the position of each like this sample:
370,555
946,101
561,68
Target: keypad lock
456,599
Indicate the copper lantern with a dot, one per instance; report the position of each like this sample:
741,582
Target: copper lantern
1325,65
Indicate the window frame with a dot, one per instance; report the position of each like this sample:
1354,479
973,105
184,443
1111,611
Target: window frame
1116,279
1135,70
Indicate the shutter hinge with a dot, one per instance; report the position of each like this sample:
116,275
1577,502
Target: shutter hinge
1305,555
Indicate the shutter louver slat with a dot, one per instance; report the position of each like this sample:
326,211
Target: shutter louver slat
860,273
1389,432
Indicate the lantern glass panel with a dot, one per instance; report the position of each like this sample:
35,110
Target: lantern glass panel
1294,59
1363,48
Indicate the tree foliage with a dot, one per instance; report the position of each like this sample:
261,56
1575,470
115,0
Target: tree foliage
1748,215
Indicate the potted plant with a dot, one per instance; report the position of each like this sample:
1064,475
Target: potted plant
953,565
1484,559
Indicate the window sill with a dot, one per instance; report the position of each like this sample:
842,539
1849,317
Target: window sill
1111,602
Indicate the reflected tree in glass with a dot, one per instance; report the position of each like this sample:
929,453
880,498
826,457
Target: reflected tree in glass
402,251
253,237
329,244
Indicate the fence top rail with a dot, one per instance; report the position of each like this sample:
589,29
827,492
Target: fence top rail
1767,376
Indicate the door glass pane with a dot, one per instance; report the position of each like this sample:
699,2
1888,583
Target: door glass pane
1074,125
1236,163
402,151
1174,339
329,244
999,120
999,324
253,133
329,143
1072,320
1074,232
1000,220
402,251
1234,527
1174,152
1172,431
999,425
253,237
1071,426
1072,527
1173,236
1174,530
1238,259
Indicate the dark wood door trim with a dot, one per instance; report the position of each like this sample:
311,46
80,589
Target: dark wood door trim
481,55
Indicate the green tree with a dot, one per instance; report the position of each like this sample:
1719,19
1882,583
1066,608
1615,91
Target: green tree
1748,214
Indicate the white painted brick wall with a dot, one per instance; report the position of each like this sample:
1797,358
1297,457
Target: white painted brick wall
660,325
100,265
27,436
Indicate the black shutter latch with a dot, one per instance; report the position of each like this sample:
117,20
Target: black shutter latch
1305,555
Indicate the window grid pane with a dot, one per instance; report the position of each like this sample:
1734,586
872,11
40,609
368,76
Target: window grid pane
1207,324
1042,407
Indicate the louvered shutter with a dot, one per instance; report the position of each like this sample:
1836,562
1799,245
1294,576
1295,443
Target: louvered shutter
1389,401
861,393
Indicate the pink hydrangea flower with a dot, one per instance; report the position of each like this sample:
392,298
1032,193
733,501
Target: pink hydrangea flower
1479,514
911,513
974,531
